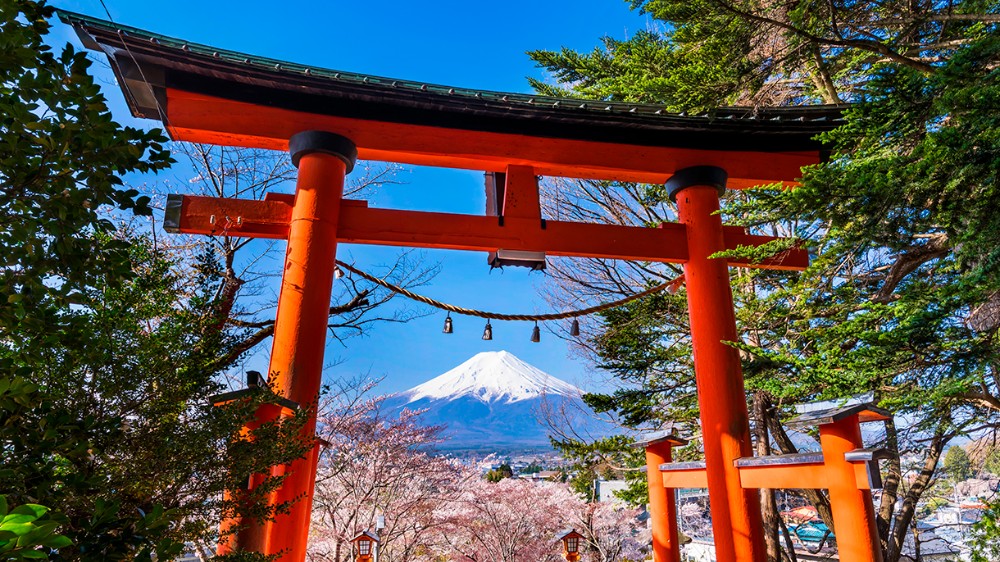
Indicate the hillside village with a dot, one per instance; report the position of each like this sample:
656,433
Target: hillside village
944,524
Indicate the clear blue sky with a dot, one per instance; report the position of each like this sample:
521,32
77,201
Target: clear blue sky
470,44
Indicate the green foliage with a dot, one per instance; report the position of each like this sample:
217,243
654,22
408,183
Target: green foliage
532,468
907,244
61,161
645,68
957,464
604,458
918,149
986,536
499,473
27,532
992,462
932,505
651,355
707,53
703,59
119,434
636,494
903,296
902,219
45,444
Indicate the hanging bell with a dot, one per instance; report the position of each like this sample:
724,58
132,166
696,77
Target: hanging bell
574,328
488,331
447,324
536,334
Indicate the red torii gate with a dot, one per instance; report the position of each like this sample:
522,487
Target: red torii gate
327,119
843,467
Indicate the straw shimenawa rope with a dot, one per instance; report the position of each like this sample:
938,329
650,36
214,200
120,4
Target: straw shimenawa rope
497,316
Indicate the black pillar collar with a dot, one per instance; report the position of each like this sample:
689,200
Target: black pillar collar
309,142
712,176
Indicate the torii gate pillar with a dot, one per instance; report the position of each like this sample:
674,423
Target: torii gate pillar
323,160
662,501
300,326
725,423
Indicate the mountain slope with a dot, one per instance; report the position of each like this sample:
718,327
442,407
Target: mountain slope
490,377
495,401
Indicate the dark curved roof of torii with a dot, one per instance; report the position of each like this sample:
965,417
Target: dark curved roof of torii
156,71
168,62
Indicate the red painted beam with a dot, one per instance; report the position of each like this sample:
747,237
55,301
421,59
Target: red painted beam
219,216
470,232
803,476
360,224
694,478
200,118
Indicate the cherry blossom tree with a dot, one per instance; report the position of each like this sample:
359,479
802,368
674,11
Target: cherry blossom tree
375,465
508,521
612,532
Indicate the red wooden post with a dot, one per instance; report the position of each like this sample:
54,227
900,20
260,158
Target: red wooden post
300,326
237,532
662,505
853,512
736,520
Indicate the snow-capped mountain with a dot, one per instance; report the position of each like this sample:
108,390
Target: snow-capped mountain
496,401
493,376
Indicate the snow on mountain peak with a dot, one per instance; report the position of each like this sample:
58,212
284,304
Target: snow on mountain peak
491,376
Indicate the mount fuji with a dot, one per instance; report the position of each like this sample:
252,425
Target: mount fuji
495,401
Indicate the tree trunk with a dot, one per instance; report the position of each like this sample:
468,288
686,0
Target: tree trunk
768,504
890,487
904,518
787,555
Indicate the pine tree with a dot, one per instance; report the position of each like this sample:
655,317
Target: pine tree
957,464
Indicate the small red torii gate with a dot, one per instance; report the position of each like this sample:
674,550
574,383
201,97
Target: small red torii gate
843,467
327,119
